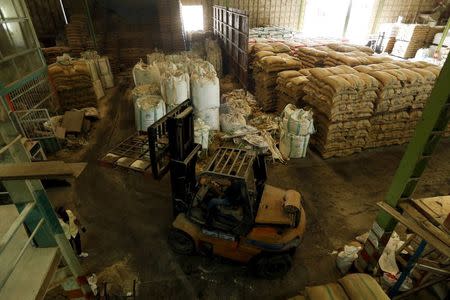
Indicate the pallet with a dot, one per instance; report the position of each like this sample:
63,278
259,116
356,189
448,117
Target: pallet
131,154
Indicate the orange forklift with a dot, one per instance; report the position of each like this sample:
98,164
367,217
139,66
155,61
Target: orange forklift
227,209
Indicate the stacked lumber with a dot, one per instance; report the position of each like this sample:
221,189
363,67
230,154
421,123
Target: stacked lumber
410,38
290,86
265,71
343,101
73,83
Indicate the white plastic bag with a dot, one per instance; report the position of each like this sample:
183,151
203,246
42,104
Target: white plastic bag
345,259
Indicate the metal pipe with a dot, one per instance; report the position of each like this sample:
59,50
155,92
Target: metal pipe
347,19
16,261
63,11
15,225
6,147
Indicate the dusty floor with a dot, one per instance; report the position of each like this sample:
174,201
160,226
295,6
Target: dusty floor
127,216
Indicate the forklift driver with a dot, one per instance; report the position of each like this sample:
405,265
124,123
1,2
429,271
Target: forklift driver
231,197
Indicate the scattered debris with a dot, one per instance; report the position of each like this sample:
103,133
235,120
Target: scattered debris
345,258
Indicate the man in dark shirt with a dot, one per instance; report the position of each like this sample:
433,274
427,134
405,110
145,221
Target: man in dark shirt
232,196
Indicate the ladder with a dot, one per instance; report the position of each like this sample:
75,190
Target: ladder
32,242
419,151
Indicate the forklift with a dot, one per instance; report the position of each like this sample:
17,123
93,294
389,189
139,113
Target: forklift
227,209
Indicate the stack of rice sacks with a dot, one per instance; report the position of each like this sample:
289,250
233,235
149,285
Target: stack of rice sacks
290,86
311,57
269,60
403,91
343,102
74,83
296,128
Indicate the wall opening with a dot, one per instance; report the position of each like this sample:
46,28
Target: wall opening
192,17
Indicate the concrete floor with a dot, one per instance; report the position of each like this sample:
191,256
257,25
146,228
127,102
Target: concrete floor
127,215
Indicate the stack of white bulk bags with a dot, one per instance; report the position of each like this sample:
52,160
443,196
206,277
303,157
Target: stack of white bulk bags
145,74
175,87
155,57
206,96
296,128
141,91
149,109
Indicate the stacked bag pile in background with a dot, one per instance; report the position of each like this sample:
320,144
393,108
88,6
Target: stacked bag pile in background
102,67
402,94
311,57
290,86
269,60
343,101
296,128
76,83
51,53
410,38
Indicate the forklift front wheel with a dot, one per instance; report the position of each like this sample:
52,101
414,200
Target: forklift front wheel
272,266
181,242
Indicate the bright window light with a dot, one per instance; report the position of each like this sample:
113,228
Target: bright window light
192,17
325,17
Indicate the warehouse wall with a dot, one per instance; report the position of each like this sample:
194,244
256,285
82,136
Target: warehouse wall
285,13
390,10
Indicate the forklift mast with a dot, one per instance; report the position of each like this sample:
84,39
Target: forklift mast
172,147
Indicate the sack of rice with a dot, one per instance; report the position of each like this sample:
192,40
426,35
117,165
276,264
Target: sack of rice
232,122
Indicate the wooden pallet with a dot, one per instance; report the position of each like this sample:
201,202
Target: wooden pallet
130,154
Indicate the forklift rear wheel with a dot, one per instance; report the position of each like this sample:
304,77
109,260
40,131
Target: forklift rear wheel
273,266
181,242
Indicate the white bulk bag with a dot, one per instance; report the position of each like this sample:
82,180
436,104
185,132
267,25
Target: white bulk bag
155,57
175,88
210,117
297,121
149,109
145,74
201,133
145,90
293,146
205,92
231,122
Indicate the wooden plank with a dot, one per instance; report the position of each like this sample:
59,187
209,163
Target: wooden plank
416,228
422,220
435,208
41,170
